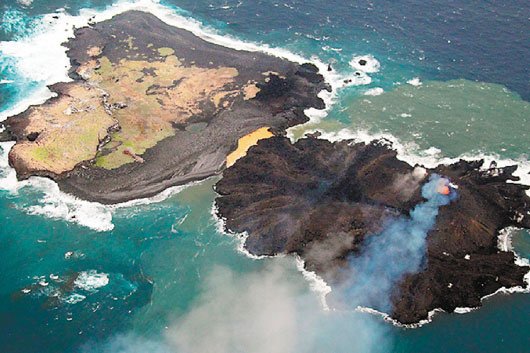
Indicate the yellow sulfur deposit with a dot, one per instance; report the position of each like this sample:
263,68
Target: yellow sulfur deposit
246,142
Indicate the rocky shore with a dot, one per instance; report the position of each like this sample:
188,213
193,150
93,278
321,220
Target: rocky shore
153,106
322,200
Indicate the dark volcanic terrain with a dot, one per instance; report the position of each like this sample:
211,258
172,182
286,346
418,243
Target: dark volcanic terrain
153,106
318,195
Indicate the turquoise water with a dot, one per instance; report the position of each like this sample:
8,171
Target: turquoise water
164,277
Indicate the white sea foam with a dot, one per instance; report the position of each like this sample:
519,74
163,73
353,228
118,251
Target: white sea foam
41,57
504,240
504,243
161,196
374,91
37,96
316,283
396,323
316,115
91,280
88,281
3,82
175,226
74,298
365,63
240,237
337,81
70,254
58,205
8,176
431,157
53,203
415,82
25,2
463,310
358,78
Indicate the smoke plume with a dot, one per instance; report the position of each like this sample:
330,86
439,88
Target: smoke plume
398,250
405,185
271,310
266,311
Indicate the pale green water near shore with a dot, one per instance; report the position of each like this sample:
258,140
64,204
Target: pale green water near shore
457,116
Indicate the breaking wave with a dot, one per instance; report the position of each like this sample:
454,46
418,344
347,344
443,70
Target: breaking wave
51,202
91,280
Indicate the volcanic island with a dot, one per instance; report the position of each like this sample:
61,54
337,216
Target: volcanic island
323,200
150,106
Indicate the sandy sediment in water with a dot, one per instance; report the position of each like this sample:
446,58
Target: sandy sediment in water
153,106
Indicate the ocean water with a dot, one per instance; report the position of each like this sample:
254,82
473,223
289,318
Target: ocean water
449,79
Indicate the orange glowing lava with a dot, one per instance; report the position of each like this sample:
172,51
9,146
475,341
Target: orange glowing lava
444,190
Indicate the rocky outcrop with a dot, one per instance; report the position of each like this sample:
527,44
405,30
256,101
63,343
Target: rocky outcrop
315,194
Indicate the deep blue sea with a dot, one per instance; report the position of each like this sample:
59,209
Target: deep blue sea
449,79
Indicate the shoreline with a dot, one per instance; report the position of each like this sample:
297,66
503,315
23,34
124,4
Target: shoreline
321,288
84,211
430,158
519,261
239,237
316,283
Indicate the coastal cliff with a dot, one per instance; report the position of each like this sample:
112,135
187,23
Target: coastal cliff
324,201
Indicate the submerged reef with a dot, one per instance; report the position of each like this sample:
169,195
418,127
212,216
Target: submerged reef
152,106
339,205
